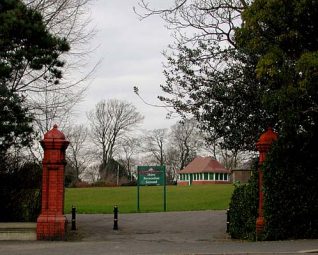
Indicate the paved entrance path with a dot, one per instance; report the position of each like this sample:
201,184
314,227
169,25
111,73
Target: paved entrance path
155,233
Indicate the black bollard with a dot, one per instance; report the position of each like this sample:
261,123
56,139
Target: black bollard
115,218
227,220
73,218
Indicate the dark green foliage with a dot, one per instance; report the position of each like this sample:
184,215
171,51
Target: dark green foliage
20,196
28,52
226,101
270,79
116,168
115,172
15,122
283,38
266,77
243,208
290,185
70,176
26,44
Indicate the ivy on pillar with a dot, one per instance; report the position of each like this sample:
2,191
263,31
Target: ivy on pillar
51,223
263,145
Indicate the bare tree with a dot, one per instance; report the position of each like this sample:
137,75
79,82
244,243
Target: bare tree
128,148
155,143
230,158
203,69
172,163
187,140
78,154
110,121
51,107
197,20
52,102
176,148
67,19
91,173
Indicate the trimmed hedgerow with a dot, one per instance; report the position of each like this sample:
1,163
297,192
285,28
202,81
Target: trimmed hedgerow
290,188
243,208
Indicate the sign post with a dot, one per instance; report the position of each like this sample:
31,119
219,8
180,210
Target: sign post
151,176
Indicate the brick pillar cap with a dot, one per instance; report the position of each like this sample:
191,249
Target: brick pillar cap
54,133
267,138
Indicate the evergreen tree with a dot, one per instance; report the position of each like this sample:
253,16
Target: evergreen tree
281,37
15,122
25,47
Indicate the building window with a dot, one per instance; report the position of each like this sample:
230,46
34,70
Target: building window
225,177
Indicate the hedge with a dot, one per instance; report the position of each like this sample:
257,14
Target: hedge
20,196
243,208
290,188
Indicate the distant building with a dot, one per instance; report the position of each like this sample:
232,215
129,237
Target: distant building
243,173
204,170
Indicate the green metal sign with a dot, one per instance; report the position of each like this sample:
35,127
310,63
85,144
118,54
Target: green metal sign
151,176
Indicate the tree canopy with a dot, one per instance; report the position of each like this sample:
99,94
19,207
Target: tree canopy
278,39
282,37
110,122
25,46
204,74
15,122
248,65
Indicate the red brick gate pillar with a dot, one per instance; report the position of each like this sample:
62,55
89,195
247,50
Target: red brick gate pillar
51,224
264,143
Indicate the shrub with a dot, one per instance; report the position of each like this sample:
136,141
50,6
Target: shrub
20,196
102,183
130,183
290,188
80,184
243,208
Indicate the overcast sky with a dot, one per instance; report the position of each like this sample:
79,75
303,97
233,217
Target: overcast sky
131,53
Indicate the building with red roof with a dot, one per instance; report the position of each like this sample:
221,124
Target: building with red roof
203,170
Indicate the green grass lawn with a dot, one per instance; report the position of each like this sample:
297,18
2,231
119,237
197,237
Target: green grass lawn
190,198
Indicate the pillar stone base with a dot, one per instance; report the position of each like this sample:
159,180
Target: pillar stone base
51,227
260,223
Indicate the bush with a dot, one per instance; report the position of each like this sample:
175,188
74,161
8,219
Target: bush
79,184
243,208
20,196
290,188
130,183
102,183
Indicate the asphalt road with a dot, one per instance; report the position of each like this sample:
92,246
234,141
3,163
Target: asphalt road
200,232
